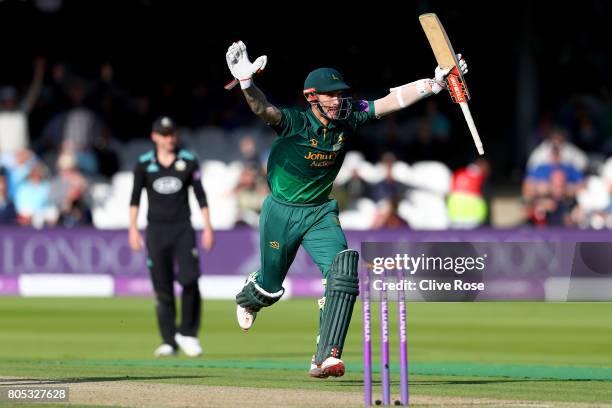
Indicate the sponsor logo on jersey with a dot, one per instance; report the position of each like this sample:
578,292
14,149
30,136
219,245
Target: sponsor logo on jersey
321,159
167,185
320,156
274,245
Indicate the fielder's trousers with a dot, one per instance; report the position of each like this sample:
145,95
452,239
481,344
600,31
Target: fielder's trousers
168,243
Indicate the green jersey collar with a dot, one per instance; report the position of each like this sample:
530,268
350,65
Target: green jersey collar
316,124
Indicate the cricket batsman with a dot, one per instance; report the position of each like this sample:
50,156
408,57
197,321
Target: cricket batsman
304,161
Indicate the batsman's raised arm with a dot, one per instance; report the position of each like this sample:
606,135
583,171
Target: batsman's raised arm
243,70
260,105
405,95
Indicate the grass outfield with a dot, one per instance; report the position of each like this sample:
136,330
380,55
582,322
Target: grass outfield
513,351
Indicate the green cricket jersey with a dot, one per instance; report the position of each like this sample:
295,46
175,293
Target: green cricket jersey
306,156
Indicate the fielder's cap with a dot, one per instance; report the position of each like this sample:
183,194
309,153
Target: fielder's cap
324,80
164,125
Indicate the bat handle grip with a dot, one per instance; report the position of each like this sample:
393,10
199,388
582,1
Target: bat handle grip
470,122
231,84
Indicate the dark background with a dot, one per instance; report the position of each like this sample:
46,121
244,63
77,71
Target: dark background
525,60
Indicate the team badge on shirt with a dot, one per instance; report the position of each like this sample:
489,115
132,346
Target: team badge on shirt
313,142
339,143
180,165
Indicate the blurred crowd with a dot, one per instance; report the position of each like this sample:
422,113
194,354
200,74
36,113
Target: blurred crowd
568,177
46,170
66,137
66,133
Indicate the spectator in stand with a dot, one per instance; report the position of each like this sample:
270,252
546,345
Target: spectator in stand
467,201
250,192
14,133
388,187
32,199
538,178
19,169
598,216
252,188
348,193
387,217
69,193
75,213
8,215
249,153
78,126
553,203
569,154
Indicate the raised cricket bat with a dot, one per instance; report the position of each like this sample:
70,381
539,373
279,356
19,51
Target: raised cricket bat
446,58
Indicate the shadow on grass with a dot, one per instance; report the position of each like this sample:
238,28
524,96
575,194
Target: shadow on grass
5,382
270,356
352,383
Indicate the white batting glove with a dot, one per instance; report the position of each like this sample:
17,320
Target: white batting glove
439,81
239,65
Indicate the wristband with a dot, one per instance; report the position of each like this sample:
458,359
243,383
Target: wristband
246,83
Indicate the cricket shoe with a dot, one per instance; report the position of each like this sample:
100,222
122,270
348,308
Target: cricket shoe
315,369
331,367
190,345
165,350
245,317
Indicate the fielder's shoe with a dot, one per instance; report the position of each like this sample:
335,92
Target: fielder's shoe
331,367
165,350
189,345
245,317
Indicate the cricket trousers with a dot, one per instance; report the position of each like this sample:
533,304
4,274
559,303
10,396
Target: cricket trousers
167,244
283,227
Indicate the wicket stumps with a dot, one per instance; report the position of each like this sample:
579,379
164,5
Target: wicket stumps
384,345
